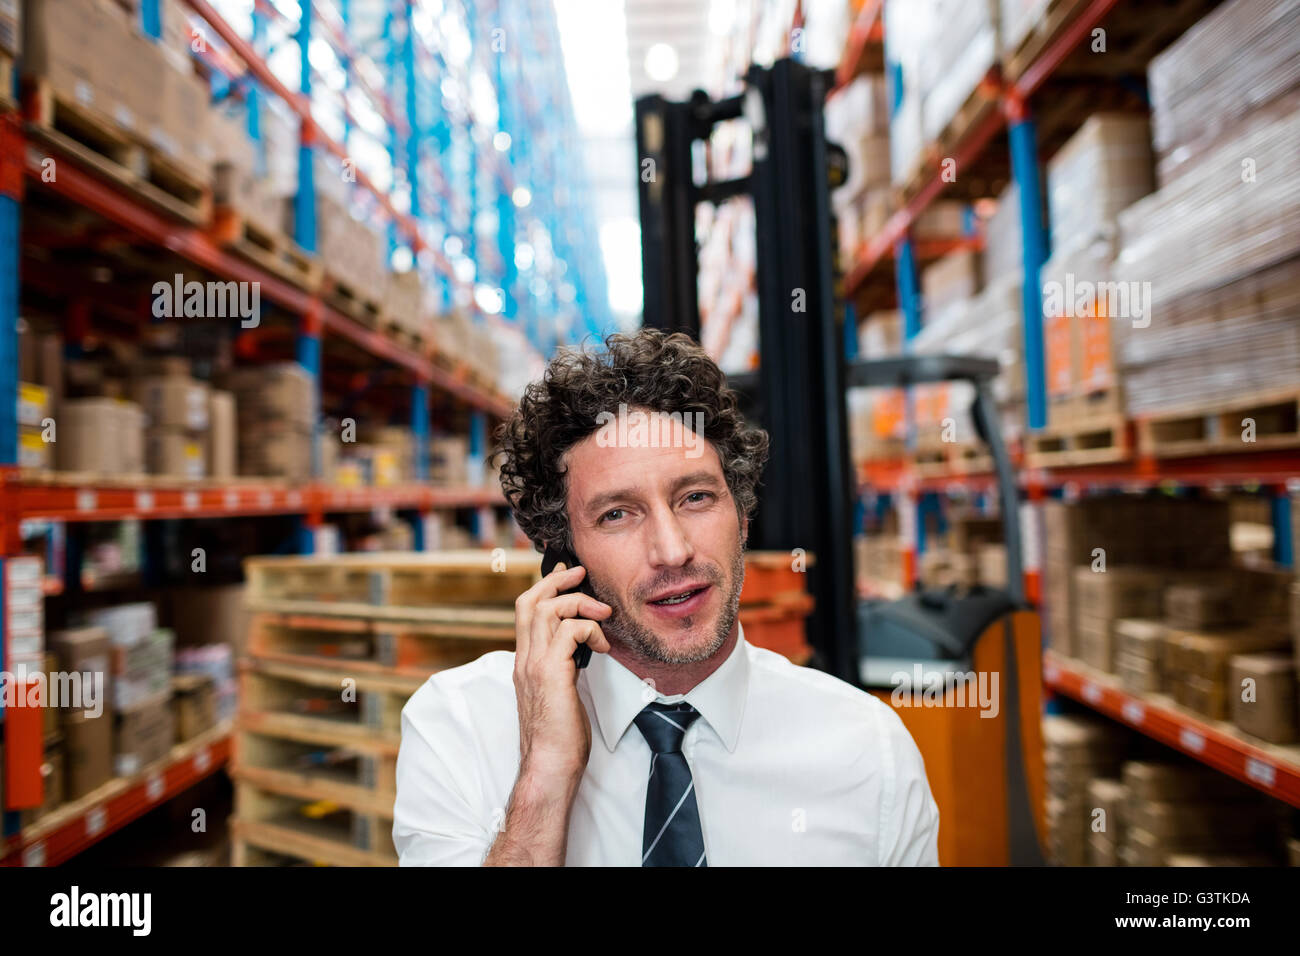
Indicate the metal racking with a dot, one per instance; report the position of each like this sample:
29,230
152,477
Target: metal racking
395,70
897,483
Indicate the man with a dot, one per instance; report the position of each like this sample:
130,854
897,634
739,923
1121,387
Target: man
708,751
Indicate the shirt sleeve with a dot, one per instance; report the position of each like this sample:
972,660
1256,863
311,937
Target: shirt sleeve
435,822
909,824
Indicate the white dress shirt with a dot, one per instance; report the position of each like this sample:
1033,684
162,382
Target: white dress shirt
792,767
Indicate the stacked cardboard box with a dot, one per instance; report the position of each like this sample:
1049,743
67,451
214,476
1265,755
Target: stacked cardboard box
1182,808
449,461
34,450
352,250
88,729
1240,56
1106,829
176,421
1139,654
1263,696
1077,750
194,705
92,55
1167,533
1197,665
275,409
1105,597
101,435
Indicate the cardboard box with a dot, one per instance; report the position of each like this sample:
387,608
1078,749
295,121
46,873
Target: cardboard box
86,651
11,34
175,452
274,450
449,461
1119,592
194,705
88,746
208,615
221,444
33,450
33,404
142,670
281,394
142,736
100,436
1271,714
173,401
1199,605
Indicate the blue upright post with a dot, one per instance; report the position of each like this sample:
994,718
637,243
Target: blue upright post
1025,171
253,96
304,201
151,18
420,430
412,119
1283,542
10,211
909,302
477,445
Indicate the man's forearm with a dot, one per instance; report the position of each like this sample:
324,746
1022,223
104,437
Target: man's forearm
536,827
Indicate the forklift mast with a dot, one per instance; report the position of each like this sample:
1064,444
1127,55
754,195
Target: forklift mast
798,393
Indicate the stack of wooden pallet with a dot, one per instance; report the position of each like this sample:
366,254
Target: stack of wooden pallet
336,647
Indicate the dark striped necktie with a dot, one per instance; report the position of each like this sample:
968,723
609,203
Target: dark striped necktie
672,820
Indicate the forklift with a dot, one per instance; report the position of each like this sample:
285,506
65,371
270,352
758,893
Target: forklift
984,764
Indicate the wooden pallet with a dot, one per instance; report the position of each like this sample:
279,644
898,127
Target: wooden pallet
95,140
1209,430
268,248
370,645
469,579
944,459
1098,441
352,302
314,770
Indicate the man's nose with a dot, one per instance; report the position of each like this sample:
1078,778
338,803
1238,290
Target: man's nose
669,546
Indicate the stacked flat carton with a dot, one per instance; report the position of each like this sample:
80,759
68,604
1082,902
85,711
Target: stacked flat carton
1219,241
1077,750
1104,167
1168,534
1177,808
176,423
275,410
91,55
102,436
141,655
1139,654
87,729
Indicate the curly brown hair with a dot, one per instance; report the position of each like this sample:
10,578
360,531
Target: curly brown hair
648,369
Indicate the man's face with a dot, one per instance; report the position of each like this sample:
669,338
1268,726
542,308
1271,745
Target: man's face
652,523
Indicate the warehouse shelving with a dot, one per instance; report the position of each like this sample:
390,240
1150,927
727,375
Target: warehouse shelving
1267,767
891,255
975,155
67,831
398,74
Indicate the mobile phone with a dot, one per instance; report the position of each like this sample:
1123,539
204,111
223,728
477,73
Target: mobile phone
550,558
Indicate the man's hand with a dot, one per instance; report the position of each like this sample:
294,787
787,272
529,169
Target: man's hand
554,731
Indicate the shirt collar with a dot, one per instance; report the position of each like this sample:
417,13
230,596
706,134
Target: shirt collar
618,695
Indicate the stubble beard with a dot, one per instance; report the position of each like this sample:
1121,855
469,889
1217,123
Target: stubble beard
624,629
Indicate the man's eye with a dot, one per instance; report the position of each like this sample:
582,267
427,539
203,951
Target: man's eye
698,495
615,511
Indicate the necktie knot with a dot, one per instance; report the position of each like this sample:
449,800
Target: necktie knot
664,725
